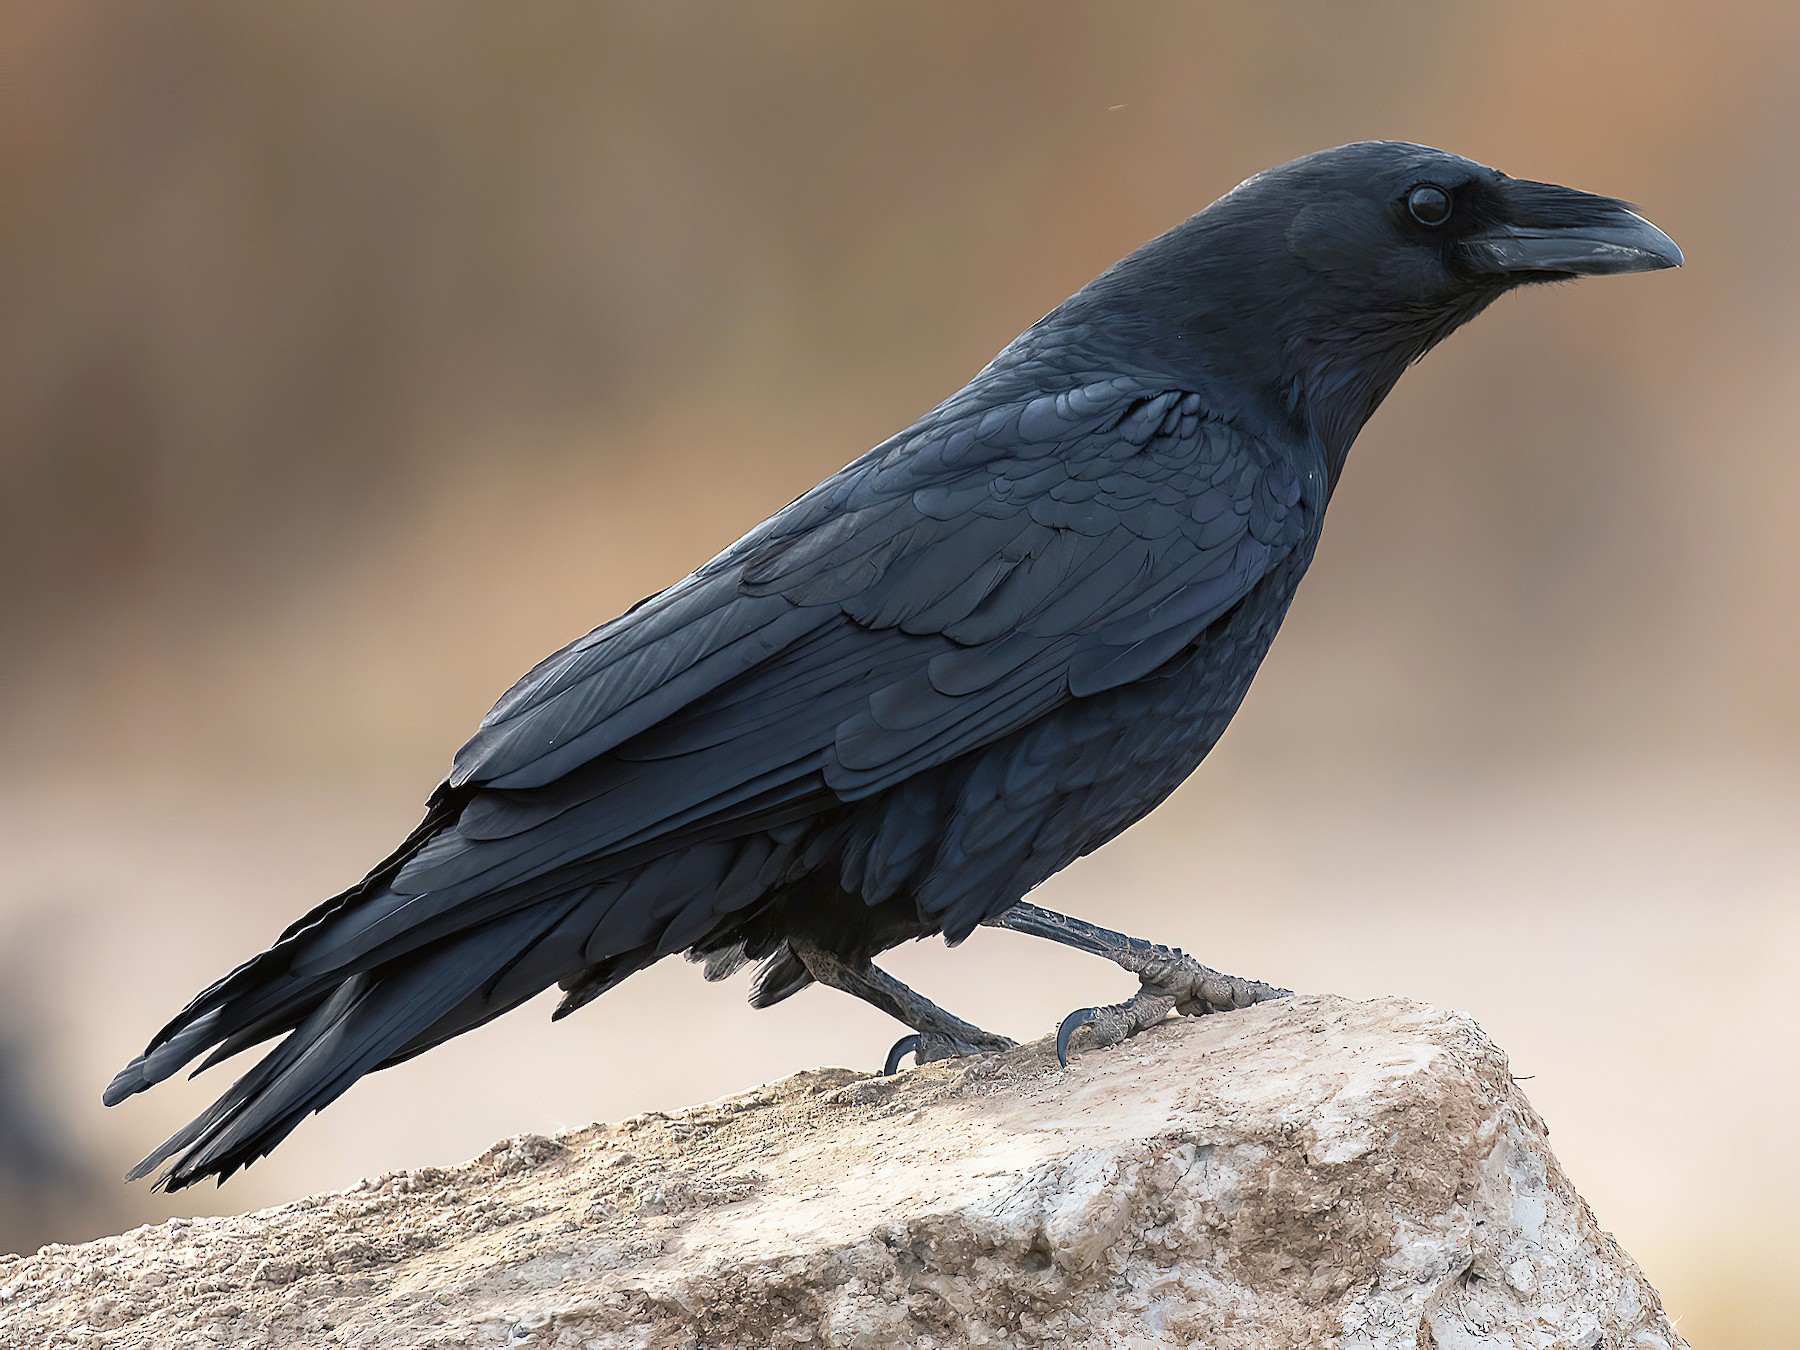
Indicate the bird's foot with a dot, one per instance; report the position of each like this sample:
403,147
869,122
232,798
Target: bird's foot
1171,981
937,1034
928,1047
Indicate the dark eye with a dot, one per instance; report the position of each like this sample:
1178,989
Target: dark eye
1429,205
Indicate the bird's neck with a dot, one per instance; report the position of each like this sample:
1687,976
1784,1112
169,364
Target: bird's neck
1337,376
1333,392
1221,305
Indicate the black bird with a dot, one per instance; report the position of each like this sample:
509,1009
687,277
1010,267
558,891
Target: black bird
963,661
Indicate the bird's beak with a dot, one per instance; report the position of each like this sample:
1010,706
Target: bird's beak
1556,232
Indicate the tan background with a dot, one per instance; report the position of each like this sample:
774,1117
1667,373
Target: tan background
352,357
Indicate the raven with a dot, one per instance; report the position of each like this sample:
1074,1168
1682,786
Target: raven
961,662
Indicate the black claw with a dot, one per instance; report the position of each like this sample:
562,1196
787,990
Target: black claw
1070,1024
906,1045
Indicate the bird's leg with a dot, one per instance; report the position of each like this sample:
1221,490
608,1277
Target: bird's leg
1169,979
939,1034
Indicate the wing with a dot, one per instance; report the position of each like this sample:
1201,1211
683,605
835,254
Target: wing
946,590
1107,523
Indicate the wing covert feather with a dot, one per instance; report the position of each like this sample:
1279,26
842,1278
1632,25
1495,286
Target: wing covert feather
941,593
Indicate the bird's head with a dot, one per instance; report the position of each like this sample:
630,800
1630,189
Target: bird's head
1405,226
1326,277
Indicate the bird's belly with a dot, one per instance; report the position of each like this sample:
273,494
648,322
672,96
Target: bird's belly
1151,738
1024,808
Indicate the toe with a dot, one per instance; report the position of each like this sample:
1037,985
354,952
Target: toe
906,1045
1081,1017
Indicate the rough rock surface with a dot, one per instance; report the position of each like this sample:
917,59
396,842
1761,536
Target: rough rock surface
1312,1172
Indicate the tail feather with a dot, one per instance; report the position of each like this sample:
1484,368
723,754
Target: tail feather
286,1002
538,966
166,1055
262,998
372,978
369,1020
205,1127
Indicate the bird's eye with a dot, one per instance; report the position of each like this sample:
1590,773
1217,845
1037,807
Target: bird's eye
1429,205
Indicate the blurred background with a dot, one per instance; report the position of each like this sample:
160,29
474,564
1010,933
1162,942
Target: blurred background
354,357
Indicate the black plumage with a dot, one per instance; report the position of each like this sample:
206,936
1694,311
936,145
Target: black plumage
969,657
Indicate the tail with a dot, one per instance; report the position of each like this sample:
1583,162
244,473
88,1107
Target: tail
375,976
369,1021
345,1018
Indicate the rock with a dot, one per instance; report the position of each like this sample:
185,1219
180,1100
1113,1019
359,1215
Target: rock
1312,1172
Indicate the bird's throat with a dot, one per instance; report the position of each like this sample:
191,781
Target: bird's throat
1338,377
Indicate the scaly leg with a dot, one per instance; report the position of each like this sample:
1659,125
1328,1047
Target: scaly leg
940,1034
1169,979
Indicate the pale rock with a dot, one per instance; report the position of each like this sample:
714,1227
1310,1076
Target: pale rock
1314,1172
